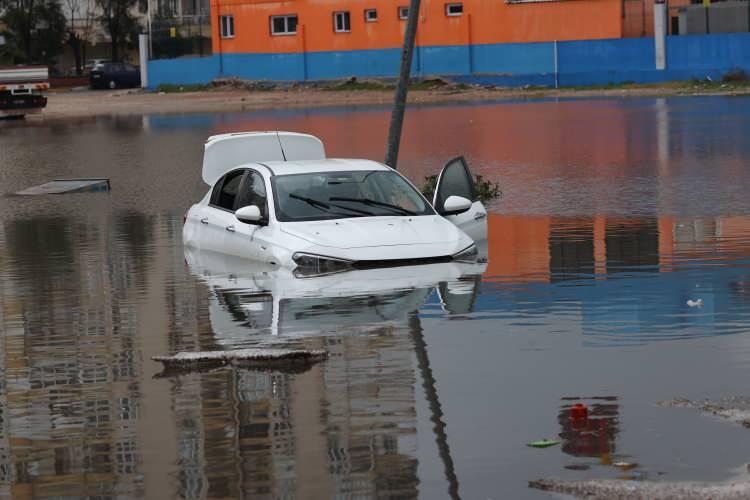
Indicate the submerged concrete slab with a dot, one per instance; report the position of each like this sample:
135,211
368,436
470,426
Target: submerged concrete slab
248,358
60,186
611,489
735,409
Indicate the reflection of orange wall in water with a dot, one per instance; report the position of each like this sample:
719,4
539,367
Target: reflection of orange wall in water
666,243
518,247
736,229
596,138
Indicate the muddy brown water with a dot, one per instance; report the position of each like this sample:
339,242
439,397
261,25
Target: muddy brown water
615,213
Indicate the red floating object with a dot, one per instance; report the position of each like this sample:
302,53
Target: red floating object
579,411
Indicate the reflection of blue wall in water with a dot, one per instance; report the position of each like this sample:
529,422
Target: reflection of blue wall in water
585,62
631,306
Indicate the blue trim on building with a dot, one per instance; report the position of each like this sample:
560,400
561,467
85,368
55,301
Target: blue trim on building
580,63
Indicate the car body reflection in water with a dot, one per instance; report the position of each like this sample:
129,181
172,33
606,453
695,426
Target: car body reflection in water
251,300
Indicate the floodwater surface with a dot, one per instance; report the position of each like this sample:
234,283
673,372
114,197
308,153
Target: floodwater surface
615,213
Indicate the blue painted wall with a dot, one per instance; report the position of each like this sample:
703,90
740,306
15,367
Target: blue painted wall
186,70
332,65
579,63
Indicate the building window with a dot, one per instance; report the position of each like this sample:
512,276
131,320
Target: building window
403,12
341,22
454,9
284,25
371,15
227,26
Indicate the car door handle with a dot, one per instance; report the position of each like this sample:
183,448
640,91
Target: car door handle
480,215
230,229
204,220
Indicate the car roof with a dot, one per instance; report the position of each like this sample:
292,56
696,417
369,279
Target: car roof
326,165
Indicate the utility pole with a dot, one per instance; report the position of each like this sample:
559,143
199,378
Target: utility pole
399,106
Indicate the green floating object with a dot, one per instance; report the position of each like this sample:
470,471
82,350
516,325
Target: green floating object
544,443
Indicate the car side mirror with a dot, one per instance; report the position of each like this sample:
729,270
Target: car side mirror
455,205
249,215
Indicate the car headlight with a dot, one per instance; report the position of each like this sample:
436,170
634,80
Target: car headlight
468,254
309,264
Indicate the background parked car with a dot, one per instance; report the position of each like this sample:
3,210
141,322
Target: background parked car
91,64
114,75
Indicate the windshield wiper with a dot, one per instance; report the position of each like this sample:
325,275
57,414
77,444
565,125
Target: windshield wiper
327,207
375,203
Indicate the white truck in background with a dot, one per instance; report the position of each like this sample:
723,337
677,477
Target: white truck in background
22,90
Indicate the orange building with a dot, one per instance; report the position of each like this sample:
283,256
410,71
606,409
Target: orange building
261,26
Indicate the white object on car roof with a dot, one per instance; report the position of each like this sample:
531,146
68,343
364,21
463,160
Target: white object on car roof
226,151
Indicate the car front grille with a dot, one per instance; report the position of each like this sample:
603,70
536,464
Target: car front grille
381,263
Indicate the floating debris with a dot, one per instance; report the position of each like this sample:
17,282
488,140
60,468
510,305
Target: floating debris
625,465
544,443
634,490
695,303
60,186
735,409
577,467
247,358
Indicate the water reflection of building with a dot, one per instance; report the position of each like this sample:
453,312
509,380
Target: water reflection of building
618,276
71,377
339,429
529,248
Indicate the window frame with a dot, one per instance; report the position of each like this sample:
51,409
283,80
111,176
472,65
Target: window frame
222,32
346,18
448,6
286,31
371,20
219,186
264,210
403,12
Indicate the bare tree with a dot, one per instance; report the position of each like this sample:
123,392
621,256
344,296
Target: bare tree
82,16
118,20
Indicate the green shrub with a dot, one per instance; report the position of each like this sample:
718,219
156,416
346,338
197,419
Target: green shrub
486,189
735,75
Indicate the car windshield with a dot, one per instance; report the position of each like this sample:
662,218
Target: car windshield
338,195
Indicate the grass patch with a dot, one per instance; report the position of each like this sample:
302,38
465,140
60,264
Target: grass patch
353,84
731,80
170,88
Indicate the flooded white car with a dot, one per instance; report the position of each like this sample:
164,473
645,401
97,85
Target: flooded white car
276,199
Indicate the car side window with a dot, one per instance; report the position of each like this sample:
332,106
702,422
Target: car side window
253,192
225,191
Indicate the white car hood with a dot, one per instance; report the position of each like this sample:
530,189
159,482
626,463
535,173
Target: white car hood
364,232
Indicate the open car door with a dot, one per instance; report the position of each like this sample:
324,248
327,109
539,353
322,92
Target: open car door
456,180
